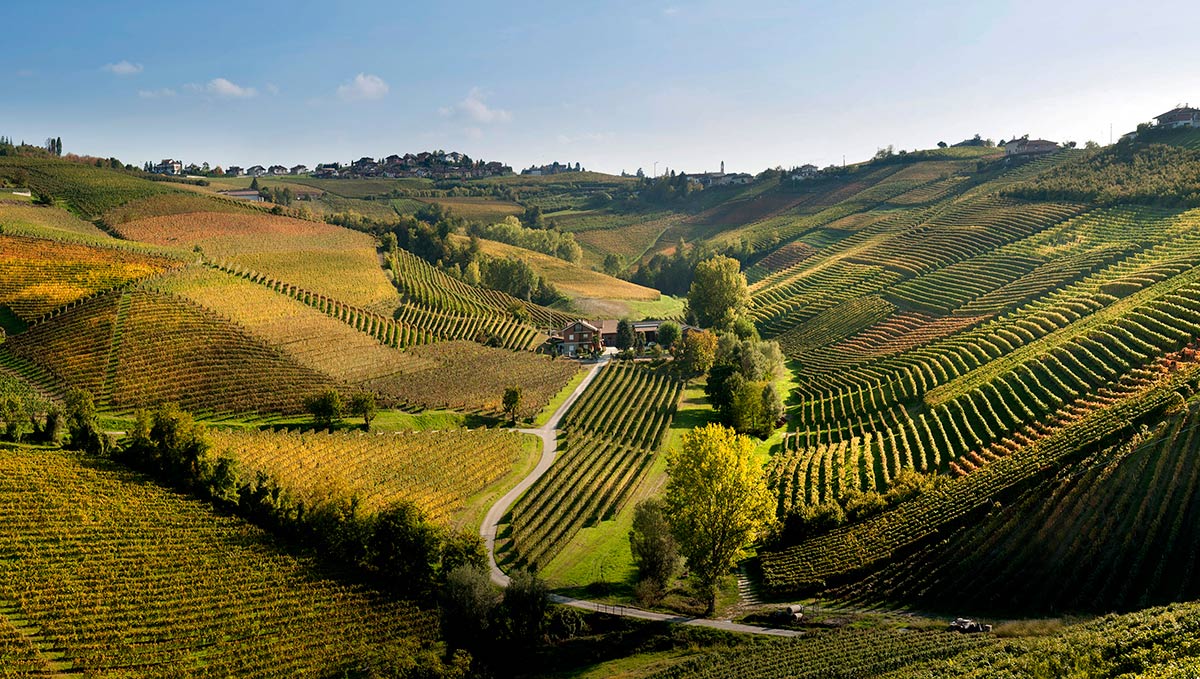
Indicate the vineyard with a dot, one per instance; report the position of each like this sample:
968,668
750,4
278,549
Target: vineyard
329,260
607,439
90,191
137,349
47,222
436,470
1157,642
1129,512
39,276
169,204
122,577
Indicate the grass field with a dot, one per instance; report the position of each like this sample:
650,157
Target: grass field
44,221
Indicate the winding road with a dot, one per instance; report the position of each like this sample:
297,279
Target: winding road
549,435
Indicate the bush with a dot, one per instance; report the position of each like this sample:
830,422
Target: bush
655,552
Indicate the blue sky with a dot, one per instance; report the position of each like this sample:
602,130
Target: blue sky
613,85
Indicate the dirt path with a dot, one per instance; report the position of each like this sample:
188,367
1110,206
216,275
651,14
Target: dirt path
549,435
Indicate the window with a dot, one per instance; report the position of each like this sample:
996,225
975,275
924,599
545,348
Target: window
571,338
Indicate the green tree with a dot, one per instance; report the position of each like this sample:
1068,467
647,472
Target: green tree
363,405
512,402
82,426
469,602
405,548
718,294
526,601
625,336
614,264
326,408
668,334
12,412
697,352
717,503
655,551
254,184
772,405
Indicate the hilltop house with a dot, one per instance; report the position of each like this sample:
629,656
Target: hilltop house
256,171
234,171
1018,147
168,166
807,171
328,171
1180,116
278,170
298,169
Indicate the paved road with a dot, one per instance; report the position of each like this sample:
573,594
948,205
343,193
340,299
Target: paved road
549,435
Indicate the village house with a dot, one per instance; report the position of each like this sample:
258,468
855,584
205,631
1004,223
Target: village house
234,171
578,338
1019,147
277,170
1180,116
256,171
328,171
298,169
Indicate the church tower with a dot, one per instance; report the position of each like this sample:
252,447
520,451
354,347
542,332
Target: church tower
722,167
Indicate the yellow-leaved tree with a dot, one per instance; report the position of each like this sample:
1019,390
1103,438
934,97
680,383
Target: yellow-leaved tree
717,502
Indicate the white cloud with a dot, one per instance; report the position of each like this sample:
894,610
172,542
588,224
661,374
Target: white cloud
123,68
364,87
220,87
671,11
474,108
156,94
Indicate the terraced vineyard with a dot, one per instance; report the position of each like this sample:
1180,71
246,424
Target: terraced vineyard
607,441
139,348
44,221
39,276
125,578
436,470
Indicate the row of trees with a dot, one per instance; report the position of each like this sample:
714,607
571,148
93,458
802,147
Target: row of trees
328,408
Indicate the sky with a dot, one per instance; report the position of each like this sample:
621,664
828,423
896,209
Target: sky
612,85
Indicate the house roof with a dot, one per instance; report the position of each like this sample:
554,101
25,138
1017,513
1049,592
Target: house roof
581,322
1179,110
607,326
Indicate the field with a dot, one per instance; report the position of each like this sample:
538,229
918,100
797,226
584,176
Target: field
90,191
609,438
123,577
331,260
38,276
436,470
573,280
477,209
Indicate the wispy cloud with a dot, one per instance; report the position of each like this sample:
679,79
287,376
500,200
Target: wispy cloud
364,87
671,11
123,68
272,89
220,87
156,94
476,109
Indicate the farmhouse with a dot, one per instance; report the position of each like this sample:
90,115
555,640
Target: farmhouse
298,169
234,171
278,170
596,335
256,171
1180,116
807,171
1019,147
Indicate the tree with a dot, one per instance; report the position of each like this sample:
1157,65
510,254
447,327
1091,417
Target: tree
772,405
526,601
655,552
469,602
668,334
625,336
717,502
12,412
82,425
405,548
614,263
326,408
363,405
718,294
699,348
512,402
254,184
